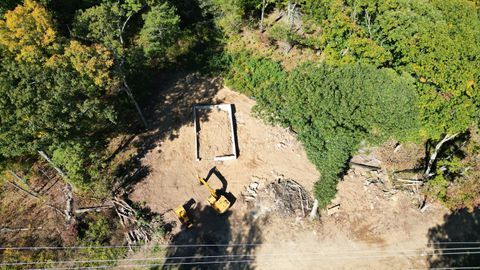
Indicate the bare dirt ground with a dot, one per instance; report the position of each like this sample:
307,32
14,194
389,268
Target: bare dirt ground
264,151
215,138
372,229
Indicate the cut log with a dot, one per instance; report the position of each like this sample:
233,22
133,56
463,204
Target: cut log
313,213
92,209
364,166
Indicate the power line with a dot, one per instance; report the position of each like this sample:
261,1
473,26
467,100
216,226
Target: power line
249,260
143,265
185,245
380,252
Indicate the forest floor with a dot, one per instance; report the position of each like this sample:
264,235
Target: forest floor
371,229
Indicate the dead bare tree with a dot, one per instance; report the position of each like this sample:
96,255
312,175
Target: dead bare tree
126,87
369,23
264,5
433,156
291,14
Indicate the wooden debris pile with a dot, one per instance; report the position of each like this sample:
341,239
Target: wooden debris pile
290,197
284,196
137,231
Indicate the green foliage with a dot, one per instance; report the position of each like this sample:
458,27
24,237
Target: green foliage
260,78
98,232
76,160
228,14
326,189
331,108
54,95
438,43
100,24
160,30
456,181
282,32
435,41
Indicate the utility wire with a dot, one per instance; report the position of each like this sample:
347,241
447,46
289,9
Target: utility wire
249,260
234,255
187,245
371,253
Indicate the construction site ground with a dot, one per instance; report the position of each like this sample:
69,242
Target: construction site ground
372,228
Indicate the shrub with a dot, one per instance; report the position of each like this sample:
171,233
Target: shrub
332,108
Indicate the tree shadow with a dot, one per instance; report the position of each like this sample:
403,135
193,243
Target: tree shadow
215,242
458,240
169,109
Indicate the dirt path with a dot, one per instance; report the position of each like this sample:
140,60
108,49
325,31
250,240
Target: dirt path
370,230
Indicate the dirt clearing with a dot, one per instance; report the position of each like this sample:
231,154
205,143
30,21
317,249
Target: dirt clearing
372,228
215,133
264,151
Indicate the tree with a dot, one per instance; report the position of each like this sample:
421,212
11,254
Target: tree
437,43
54,94
27,32
331,108
160,30
107,24
434,41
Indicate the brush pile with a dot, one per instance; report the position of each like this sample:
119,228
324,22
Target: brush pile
282,195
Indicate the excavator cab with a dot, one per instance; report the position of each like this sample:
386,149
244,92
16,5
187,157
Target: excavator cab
219,202
182,215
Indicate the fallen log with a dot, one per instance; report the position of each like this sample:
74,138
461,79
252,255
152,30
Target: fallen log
364,166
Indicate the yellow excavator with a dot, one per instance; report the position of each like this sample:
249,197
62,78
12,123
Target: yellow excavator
219,202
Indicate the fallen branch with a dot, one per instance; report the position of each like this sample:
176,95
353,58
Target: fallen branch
409,181
43,155
364,166
6,229
92,209
23,190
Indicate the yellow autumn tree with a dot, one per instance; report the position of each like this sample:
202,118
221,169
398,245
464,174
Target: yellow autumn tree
28,33
92,62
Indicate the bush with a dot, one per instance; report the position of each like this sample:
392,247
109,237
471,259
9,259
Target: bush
82,166
332,108
97,233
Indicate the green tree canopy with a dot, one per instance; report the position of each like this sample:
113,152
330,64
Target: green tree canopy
52,92
332,108
160,30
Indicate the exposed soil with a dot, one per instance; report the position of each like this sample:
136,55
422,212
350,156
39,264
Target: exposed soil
264,151
215,136
373,228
